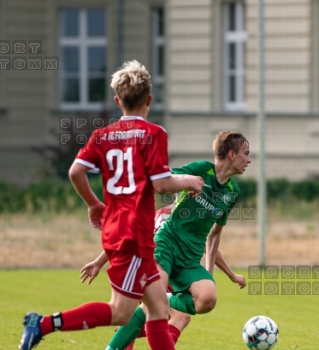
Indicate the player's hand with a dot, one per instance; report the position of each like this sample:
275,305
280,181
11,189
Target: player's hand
95,214
196,185
89,271
240,280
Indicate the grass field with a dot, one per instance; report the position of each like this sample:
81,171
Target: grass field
36,240
48,291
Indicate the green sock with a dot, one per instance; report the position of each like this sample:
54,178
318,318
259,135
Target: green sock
124,336
183,302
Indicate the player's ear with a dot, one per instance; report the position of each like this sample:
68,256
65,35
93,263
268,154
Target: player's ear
117,101
232,155
149,100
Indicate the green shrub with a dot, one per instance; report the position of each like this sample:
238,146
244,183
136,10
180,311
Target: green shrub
279,189
58,195
248,191
11,198
50,195
307,190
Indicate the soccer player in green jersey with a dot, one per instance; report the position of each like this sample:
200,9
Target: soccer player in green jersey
195,222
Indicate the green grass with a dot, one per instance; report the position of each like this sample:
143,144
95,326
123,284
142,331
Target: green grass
48,291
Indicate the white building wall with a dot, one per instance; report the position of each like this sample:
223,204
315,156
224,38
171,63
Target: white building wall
189,58
194,96
287,55
292,143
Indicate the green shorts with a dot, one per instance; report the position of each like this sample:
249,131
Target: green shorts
182,271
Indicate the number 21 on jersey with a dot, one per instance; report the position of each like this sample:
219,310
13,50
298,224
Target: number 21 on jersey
124,162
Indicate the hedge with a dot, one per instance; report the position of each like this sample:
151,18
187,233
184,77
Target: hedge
58,195
51,195
281,189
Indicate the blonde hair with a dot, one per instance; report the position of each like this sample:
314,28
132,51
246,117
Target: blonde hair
226,141
132,84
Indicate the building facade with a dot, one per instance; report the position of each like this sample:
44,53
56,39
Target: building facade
213,80
203,57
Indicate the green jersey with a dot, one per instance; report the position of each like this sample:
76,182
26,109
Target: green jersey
192,218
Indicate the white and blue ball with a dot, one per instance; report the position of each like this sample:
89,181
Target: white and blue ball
260,333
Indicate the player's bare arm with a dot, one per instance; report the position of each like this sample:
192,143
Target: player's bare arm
212,244
221,263
77,175
92,269
177,183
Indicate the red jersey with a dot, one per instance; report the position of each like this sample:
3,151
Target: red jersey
129,154
162,215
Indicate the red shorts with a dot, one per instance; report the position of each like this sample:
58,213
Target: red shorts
130,275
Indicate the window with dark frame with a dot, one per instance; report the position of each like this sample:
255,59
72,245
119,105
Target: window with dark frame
234,38
158,71
83,49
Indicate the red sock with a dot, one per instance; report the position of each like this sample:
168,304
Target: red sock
86,316
131,346
158,335
142,333
175,332
46,325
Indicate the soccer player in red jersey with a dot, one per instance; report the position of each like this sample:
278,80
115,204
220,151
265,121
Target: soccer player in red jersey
131,155
178,320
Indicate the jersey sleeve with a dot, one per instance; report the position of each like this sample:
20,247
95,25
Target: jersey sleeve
156,156
193,168
88,154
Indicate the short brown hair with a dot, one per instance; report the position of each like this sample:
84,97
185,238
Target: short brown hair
226,141
132,84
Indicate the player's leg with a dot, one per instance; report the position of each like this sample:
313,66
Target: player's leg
124,339
177,323
89,315
169,256
86,316
198,291
156,326
204,295
126,334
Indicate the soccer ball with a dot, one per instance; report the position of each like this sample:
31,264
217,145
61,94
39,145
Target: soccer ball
260,333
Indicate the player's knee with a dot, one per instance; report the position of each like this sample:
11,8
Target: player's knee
122,319
205,304
159,310
120,316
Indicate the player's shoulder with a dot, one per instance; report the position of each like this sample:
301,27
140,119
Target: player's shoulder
100,130
204,165
154,127
197,167
99,134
